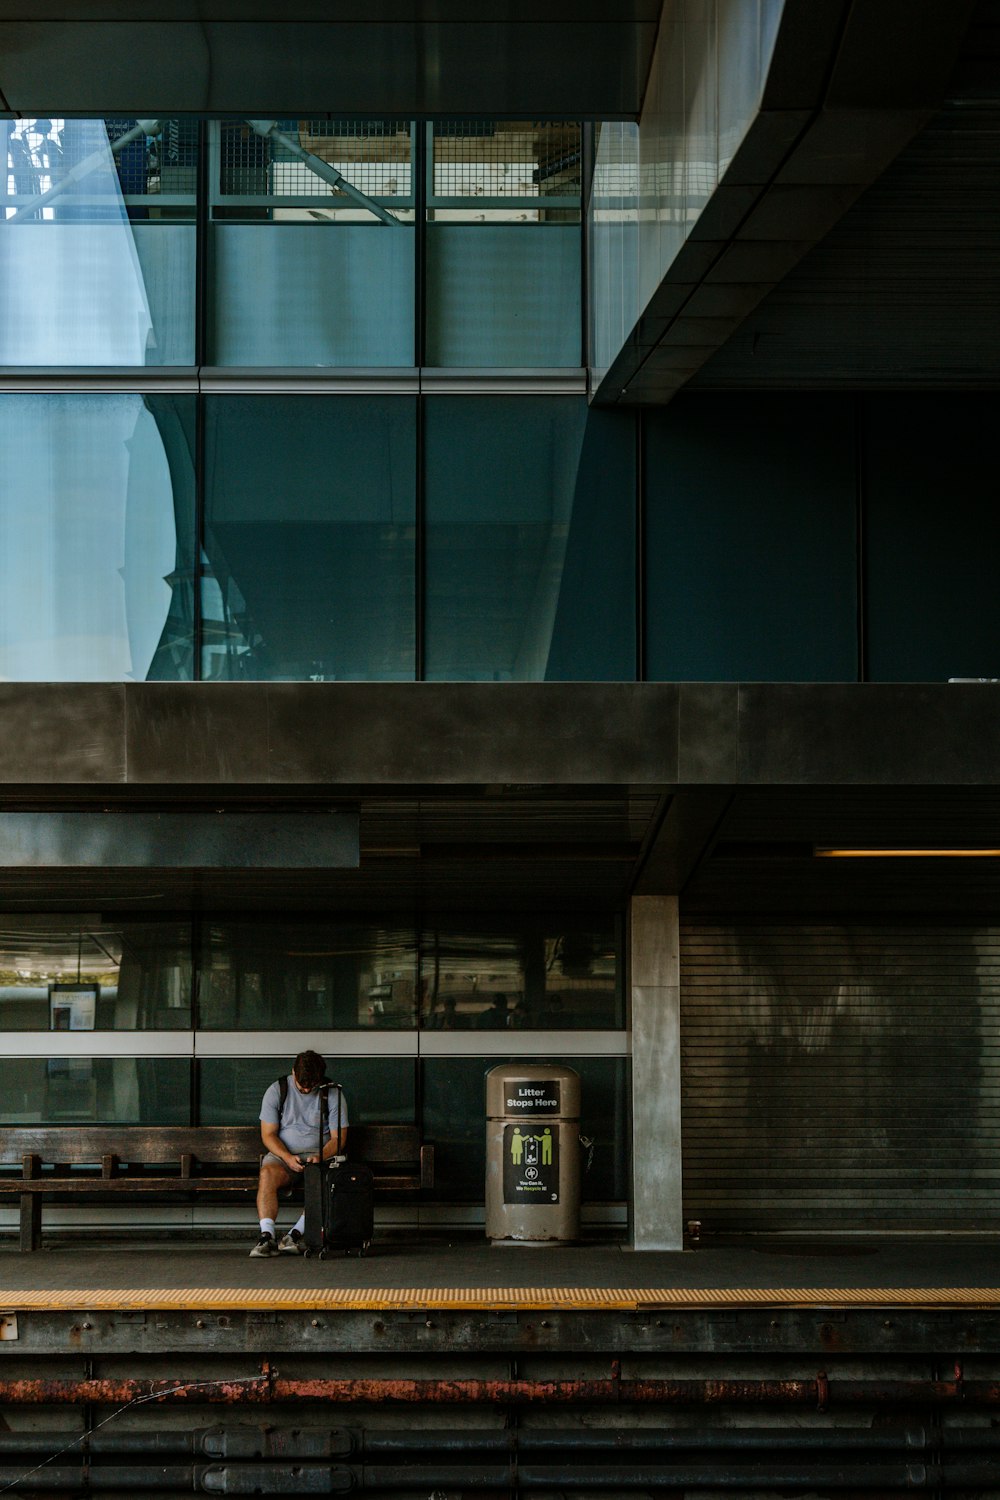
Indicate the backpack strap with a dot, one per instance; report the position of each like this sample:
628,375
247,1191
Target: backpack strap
324,1120
282,1096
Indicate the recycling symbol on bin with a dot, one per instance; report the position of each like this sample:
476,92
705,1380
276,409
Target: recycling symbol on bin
525,1149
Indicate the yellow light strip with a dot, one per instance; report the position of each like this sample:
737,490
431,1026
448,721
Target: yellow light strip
468,1299
821,853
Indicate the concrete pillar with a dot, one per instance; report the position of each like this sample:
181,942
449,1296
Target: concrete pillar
654,966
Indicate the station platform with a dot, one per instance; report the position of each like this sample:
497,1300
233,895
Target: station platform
776,1344
466,1272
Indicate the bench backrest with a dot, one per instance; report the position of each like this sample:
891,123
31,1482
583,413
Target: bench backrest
225,1144
214,1144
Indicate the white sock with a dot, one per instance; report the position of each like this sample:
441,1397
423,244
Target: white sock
300,1224
267,1227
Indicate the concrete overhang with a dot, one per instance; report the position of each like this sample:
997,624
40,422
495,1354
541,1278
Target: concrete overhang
848,87
513,797
494,58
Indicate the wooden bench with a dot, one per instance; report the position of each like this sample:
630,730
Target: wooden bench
39,1162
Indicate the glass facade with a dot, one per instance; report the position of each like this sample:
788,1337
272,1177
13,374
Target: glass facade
301,273
309,538
652,180
96,1091
63,973
81,973
503,258
520,976
381,1090
341,977
751,543
97,242
326,243
521,524
96,537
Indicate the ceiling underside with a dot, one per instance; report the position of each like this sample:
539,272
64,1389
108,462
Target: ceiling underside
904,292
485,850
519,796
384,57
586,850
853,241
760,855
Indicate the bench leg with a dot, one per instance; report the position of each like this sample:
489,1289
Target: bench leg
31,1221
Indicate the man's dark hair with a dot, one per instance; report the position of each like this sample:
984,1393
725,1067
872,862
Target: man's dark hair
309,1069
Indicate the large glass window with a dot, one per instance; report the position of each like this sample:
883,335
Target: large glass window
312,242
97,242
377,1089
309,538
96,537
530,551
81,974
503,244
519,977
96,1090
339,976
930,537
751,561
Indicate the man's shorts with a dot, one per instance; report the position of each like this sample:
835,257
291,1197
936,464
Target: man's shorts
269,1157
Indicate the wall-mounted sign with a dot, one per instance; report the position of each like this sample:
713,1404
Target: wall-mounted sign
73,1007
539,1097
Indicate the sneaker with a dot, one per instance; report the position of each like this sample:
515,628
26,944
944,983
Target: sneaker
265,1246
291,1243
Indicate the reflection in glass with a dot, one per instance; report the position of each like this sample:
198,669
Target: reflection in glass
503,243
453,1110
340,977
530,562
96,537
112,1090
313,259
652,181
613,213
72,974
381,1090
97,242
309,538
543,977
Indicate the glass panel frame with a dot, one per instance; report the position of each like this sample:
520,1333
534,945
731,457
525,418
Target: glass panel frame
322,589
97,242
97,520
96,1090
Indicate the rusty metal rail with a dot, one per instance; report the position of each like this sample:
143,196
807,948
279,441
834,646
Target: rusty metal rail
270,1388
342,1479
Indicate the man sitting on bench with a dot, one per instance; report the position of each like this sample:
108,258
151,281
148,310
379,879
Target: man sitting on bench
290,1114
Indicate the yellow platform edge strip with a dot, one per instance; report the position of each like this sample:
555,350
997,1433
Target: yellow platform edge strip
470,1299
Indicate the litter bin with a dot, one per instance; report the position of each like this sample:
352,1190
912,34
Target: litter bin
532,1154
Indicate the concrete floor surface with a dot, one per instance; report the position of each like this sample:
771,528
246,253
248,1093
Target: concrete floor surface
435,1262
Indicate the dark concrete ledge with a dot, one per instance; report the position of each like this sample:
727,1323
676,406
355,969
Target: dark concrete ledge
260,735
935,734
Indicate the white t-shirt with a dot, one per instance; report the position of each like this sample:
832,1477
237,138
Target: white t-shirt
300,1116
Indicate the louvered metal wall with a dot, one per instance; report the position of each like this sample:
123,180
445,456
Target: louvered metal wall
842,1076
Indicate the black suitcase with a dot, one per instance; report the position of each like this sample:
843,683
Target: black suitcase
340,1207
339,1200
